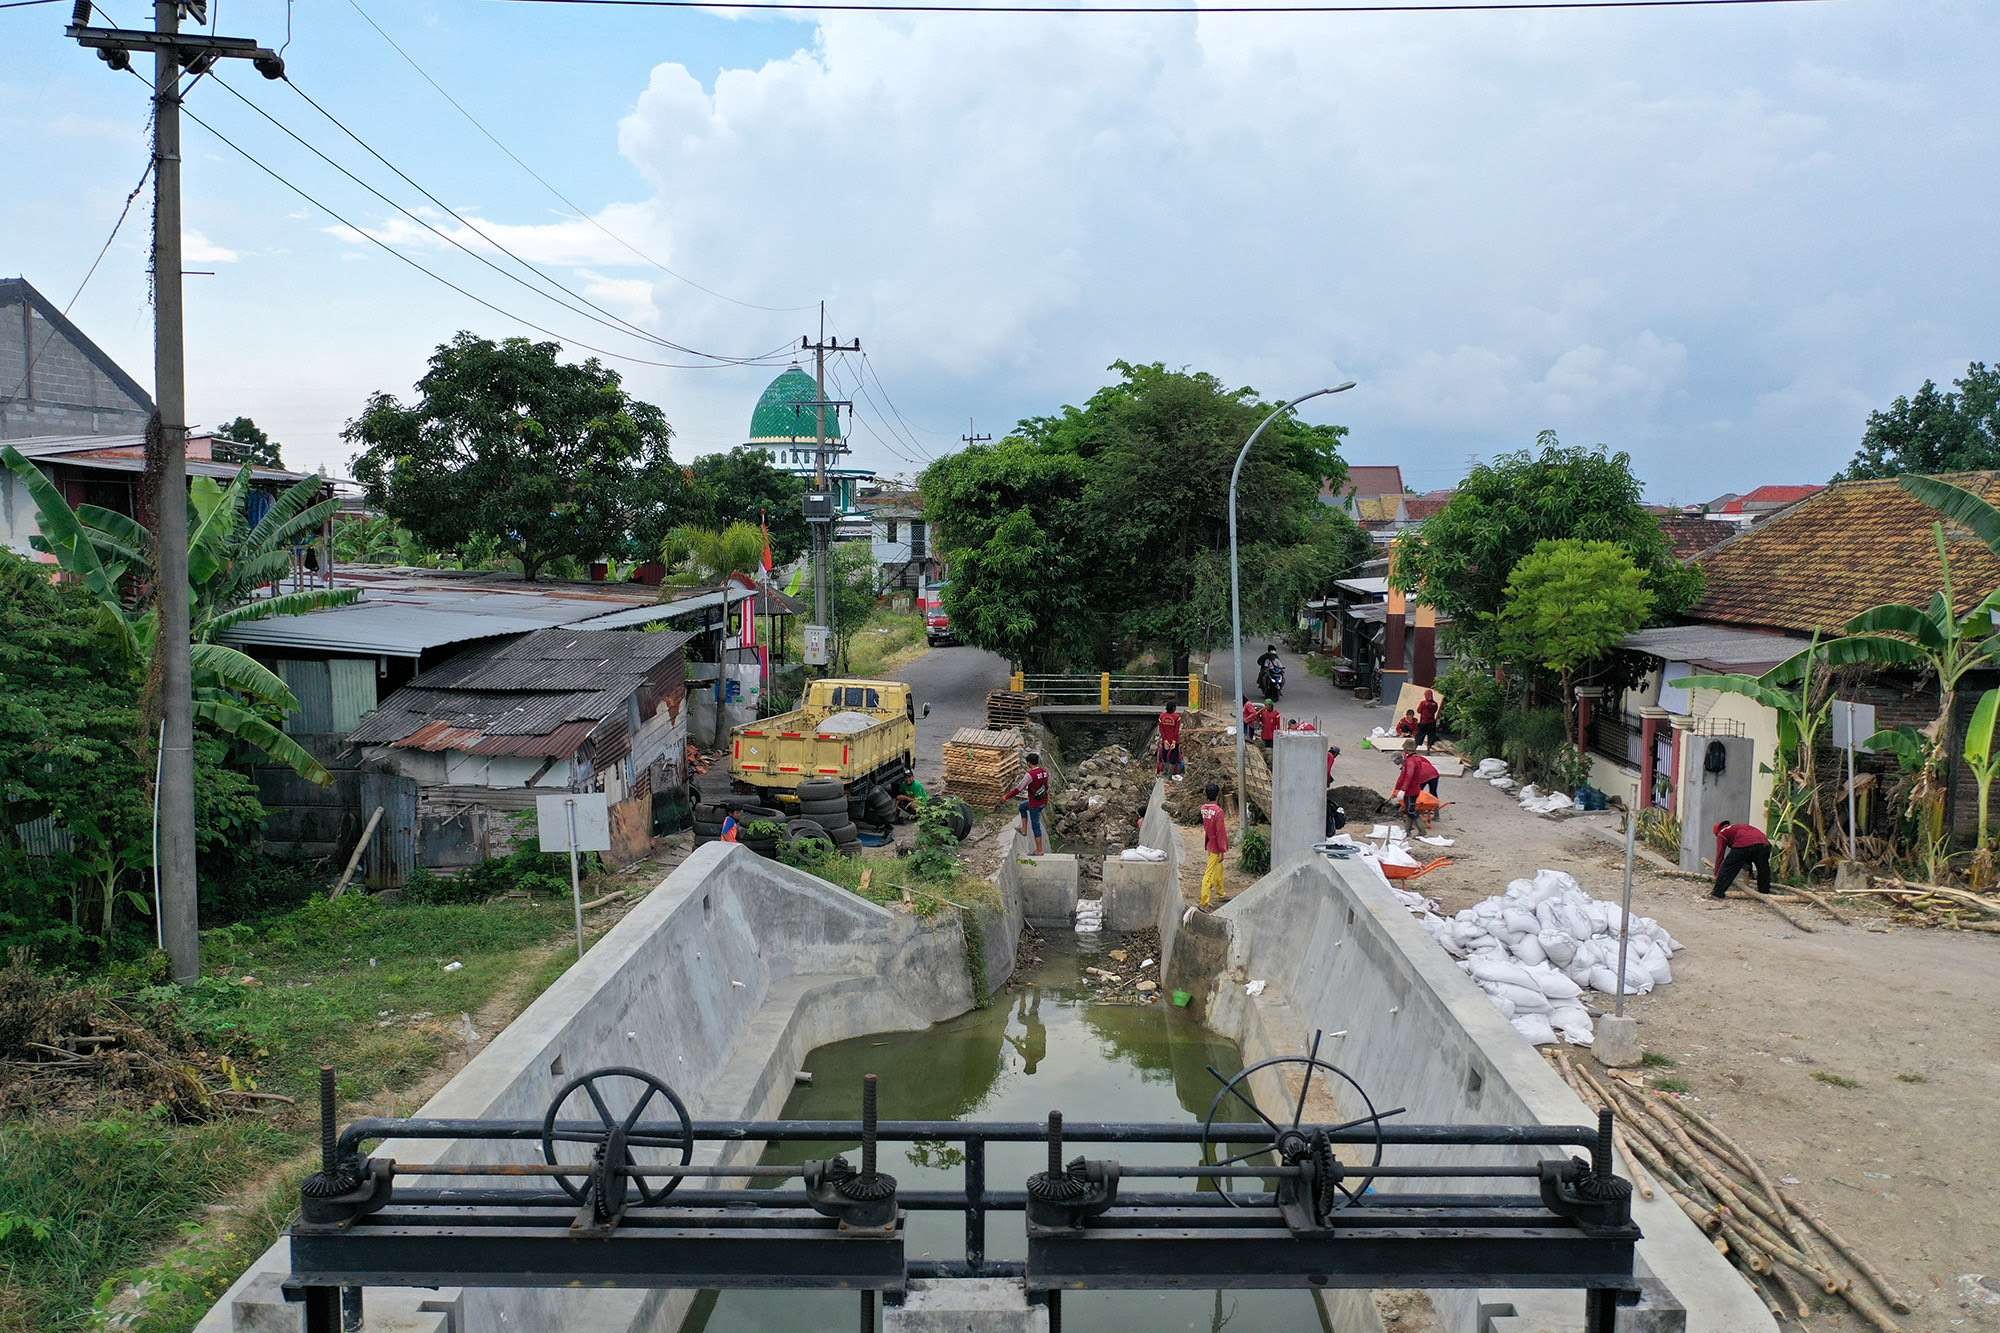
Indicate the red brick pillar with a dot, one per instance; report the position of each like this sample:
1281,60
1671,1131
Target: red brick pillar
1649,735
1395,660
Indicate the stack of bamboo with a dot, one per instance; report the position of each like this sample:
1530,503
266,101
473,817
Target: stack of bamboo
1934,904
981,766
1009,708
1760,1226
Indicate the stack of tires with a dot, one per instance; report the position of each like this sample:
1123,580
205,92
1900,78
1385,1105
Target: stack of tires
825,812
708,820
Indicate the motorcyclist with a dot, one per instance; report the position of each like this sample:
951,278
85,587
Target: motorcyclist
1270,672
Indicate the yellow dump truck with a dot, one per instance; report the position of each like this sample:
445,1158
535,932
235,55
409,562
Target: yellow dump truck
859,734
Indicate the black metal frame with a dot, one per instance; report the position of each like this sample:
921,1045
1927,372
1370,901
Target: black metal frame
836,1228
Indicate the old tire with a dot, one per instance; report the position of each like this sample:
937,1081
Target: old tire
821,789
823,809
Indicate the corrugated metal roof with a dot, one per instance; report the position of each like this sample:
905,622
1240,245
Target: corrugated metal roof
646,615
541,695
1716,647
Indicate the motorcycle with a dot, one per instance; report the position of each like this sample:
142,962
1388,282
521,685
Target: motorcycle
1271,681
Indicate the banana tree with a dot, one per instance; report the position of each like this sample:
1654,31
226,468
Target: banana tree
228,560
1984,761
1802,702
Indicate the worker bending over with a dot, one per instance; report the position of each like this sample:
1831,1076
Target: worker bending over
1736,846
1418,774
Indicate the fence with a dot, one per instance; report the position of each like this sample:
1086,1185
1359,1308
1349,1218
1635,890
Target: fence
1108,692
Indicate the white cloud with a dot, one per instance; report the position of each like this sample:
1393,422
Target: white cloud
196,248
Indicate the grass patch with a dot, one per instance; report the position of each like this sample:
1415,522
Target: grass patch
1671,1085
1911,1078
1319,666
1656,1060
1834,1080
357,983
885,640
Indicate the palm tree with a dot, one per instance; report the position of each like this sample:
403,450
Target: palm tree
704,556
228,562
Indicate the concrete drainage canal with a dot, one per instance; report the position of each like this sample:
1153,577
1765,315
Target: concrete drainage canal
1045,1042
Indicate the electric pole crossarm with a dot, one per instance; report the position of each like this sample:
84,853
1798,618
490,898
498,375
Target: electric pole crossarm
187,47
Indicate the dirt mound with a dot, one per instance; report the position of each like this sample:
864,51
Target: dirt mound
1363,803
1210,754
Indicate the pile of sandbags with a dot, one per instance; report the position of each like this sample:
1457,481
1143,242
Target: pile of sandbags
1538,802
1536,948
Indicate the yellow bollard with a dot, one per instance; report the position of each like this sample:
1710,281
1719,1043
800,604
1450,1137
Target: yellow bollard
1104,692
1194,693
1019,682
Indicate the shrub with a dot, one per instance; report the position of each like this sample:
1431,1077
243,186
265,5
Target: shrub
1474,705
1660,831
1255,854
1568,768
1529,741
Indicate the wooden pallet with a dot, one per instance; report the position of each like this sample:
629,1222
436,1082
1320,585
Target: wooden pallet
1009,708
981,765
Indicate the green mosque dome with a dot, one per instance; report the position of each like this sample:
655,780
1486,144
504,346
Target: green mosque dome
778,418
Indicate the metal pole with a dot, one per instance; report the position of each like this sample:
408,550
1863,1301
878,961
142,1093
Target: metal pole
575,881
1853,832
1625,912
1236,595
179,924
821,530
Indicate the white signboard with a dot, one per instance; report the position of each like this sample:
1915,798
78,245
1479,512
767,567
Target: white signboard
819,645
592,816
1855,721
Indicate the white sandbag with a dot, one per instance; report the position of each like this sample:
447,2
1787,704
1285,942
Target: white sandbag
1572,1021
1604,979
1535,1027
1556,881
1557,947
1528,948
1507,973
1492,768
1658,968
1395,854
1520,922
1503,1004
1504,784
1554,984
1527,1000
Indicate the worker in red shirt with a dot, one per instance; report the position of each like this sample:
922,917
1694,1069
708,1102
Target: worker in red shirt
1033,789
1215,839
1332,753
1736,846
1170,743
1418,775
1268,723
1251,712
1427,721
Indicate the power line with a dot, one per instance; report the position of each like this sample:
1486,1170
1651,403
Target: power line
544,183
856,418
861,387
621,326
1450,7
440,278
626,324
908,428
89,273
23,4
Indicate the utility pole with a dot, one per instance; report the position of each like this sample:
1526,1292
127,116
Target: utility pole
166,446
970,438
822,520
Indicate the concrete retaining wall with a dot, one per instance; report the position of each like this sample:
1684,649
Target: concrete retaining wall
1049,886
1338,953
719,983
1000,931
1157,829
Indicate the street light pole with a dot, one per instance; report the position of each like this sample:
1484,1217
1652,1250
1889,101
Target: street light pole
1236,593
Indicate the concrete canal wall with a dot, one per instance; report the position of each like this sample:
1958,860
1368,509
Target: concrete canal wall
719,983
1337,953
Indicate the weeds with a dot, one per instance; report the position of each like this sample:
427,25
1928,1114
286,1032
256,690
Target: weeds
1657,1060
1834,1080
1911,1078
1671,1085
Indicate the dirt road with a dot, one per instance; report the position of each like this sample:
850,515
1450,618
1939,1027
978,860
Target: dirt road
1768,1027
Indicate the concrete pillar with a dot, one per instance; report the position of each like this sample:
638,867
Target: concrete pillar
1674,777
1133,891
1048,888
1424,670
992,1305
1298,792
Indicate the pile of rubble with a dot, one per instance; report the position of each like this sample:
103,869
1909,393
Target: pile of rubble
1132,974
1209,752
1104,799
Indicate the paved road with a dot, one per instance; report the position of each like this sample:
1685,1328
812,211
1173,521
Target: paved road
954,682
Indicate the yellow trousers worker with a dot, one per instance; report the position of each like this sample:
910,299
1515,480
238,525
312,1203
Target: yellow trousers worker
1211,879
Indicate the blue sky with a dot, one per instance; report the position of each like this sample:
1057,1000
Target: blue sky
1714,238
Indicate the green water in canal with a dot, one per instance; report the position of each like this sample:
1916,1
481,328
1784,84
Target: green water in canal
1042,1045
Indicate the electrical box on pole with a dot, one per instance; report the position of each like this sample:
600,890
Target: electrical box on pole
819,645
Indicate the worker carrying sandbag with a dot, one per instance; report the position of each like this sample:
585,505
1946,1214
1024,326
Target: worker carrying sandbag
1737,846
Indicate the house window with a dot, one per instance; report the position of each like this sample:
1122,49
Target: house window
892,529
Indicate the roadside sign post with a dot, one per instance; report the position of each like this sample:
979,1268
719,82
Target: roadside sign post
1617,1043
574,822
1851,723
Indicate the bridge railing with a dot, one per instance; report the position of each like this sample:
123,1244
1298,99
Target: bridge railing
1108,691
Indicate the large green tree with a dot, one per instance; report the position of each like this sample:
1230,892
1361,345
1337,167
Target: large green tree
1935,431
1459,560
255,445
1570,603
1104,528
506,441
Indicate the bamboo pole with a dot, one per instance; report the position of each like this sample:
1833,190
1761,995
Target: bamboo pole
1853,1256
